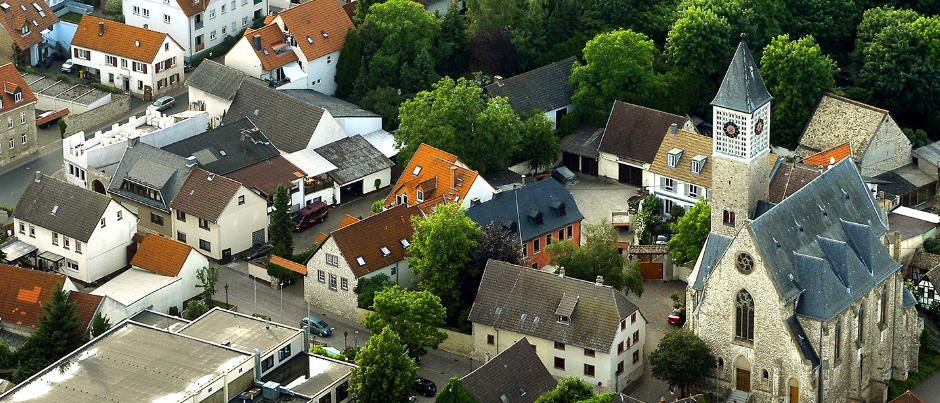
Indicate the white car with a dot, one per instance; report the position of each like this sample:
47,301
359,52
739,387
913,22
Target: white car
67,66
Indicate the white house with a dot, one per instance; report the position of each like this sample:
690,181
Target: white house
145,62
578,328
435,176
77,232
681,170
163,275
212,88
544,89
366,248
298,49
218,216
197,25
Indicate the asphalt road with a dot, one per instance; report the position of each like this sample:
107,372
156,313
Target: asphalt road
48,160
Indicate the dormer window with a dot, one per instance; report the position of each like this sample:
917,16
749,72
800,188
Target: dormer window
361,261
385,251
416,171
673,157
564,320
698,164
18,96
25,29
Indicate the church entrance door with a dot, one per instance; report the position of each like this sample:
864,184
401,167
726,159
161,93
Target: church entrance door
743,380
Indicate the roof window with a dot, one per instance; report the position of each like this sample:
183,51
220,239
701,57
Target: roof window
385,251
416,171
404,243
361,261
673,157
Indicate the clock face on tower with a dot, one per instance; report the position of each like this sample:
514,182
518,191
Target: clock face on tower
759,126
731,129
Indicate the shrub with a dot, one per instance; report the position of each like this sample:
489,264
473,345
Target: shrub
174,311
368,286
677,211
261,316
220,49
378,205
107,88
194,309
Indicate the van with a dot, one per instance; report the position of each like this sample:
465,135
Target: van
564,176
306,217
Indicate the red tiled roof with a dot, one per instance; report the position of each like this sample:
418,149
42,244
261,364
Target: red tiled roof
289,265
193,7
366,238
34,14
268,174
347,220
160,255
119,39
830,156
86,305
205,194
434,178
13,83
274,51
318,26
23,292
907,397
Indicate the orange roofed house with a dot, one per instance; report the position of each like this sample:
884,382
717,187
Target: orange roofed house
147,63
24,291
25,23
297,49
434,176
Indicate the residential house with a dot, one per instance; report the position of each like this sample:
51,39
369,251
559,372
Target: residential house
352,118
908,184
434,176
144,62
927,158
803,301
25,25
630,141
365,248
579,149
538,214
77,232
162,275
917,270
298,49
198,25
516,374
23,294
18,111
910,228
681,171
927,287
212,88
360,167
218,216
325,379
878,144
545,89
578,328
145,181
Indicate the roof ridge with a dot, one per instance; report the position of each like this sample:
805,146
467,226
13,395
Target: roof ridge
617,101
856,103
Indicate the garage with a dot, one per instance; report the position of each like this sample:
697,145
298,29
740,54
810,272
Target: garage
630,175
652,259
579,150
350,191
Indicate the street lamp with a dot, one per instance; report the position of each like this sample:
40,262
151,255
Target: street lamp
357,338
345,336
226,297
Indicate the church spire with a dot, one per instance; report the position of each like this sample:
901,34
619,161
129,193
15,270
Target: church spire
742,89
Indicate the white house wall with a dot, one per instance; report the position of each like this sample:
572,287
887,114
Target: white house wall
321,73
216,106
243,58
239,222
479,189
107,247
679,196
137,80
327,131
360,125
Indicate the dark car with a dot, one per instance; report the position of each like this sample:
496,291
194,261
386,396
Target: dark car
306,217
317,326
424,387
259,251
564,176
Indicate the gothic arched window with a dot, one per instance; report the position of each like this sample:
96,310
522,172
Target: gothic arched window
744,316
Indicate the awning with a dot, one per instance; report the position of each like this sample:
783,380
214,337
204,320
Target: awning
310,162
15,249
52,257
294,72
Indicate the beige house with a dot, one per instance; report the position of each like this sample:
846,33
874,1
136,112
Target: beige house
17,116
578,328
364,248
681,171
800,301
218,216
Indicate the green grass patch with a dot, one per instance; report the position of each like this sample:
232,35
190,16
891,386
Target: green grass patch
928,364
71,17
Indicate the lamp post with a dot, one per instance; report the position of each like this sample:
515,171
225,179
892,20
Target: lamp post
226,296
357,338
345,336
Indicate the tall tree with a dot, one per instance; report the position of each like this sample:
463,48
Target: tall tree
597,257
570,389
397,39
367,287
279,231
690,232
618,66
347,67
414,315
440,249
453,42
701,41
99,324
797,73
385,372
831,22
58,333
488,15
455,392
494,53
499,243
761,20
875,20
682,359
207,276
538,143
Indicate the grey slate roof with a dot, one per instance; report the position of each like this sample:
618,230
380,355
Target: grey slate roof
715,246
929,152
799,336
516,373
337,107
823,243
227,148
742,89
216,79
545,88
524,300
287,121
908,298
584,141
58,206
354,158
147,165
534,199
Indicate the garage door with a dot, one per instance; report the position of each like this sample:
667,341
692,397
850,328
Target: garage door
589,166
571,161
630,175
651,270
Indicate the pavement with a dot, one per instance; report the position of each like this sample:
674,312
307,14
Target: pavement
655,304
361,207
929,389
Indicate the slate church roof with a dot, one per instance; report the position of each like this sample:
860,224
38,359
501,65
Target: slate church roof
742,89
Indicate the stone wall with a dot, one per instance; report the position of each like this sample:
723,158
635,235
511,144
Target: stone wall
108,113
889,149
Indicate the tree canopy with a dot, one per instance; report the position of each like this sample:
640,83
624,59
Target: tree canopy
690,232
414,315
570,389
440,249
99,324
701,40
385,372
367,287
281,226
57,334
597,257
397,38
207,277
681,359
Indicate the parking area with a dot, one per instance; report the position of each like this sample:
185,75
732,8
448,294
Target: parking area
361,207
598,197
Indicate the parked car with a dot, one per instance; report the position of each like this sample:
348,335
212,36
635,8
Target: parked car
67,66
317,326
564,176
257,252
288,281
661,240
163,103
677,317
306,217
424,387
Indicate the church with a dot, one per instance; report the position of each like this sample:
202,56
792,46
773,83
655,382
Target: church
801,301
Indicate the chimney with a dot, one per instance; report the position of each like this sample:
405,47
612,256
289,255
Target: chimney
453,176
599,281
190,161
100,29
306,337
474,201
561,271
257,42
131,142
897,245
37,176
674,128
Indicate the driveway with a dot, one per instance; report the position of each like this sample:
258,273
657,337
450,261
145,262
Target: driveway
361,207
655,304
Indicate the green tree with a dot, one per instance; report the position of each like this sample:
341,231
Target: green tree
761,20
440,249
99,324
538,143
194,309
414,315
279,272
385,101
570,389
7,356
682,359
455,392
362,10
367,287
385,372
601,398
650,17
207,276
347,67
597,257
618,66
397,39
489,15
797,73
57,334
114,8
453,42
875,20
917,137
279,231
701,41
457,117
831,22
690,232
